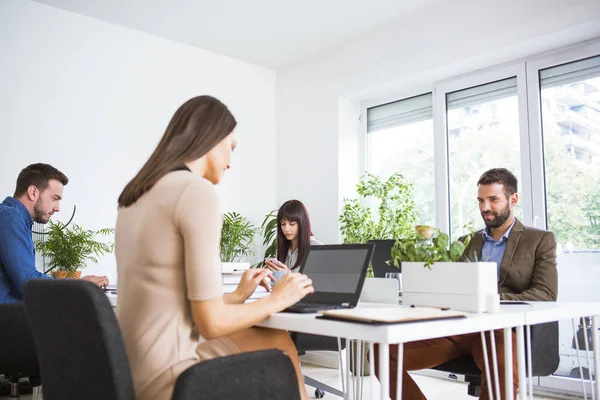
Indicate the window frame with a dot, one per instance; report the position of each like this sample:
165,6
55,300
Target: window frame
534,105
532,186
442,174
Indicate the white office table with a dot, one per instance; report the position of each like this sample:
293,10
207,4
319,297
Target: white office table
510,316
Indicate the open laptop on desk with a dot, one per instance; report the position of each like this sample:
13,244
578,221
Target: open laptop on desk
338,273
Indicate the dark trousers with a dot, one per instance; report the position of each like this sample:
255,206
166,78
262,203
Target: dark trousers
431,353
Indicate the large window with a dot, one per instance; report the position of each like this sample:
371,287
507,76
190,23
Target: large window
483,133
570,114
570,108
400,136
541,120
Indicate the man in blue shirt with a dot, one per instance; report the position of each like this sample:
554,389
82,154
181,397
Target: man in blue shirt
36,198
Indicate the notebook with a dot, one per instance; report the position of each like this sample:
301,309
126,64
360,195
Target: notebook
338,273
391,315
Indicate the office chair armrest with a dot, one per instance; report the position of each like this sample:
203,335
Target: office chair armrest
259,375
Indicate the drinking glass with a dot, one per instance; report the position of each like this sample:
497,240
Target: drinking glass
398,276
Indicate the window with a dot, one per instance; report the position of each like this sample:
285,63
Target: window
400,137
571,135
541,120
483,133
569,96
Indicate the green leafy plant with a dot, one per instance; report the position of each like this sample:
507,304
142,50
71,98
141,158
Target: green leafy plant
237,237
69,248
268,230
429,249
396,212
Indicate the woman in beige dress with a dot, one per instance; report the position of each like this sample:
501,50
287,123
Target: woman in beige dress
171,308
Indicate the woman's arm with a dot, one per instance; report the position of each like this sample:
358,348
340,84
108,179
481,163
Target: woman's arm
215,318
197,217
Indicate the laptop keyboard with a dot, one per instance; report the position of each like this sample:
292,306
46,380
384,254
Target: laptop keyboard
320,306
312,307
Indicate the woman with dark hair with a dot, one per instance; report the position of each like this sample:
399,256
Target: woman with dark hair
171,306
294,235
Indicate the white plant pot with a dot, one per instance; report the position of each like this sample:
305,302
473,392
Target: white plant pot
460,286
234,267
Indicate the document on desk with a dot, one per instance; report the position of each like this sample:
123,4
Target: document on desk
391,315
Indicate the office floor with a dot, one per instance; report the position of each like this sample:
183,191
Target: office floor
434,388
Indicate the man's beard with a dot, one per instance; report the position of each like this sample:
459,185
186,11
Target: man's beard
500,217
39,214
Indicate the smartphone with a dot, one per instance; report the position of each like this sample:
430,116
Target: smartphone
273,260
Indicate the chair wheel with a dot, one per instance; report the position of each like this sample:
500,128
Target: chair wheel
319,393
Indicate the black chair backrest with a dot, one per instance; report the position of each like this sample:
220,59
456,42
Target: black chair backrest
544,354
18,355
79,343
544,349
381,255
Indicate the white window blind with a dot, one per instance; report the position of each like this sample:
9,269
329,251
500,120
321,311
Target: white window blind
482,94
570,73
407,111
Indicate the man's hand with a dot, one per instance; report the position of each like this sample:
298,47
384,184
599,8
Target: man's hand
101,281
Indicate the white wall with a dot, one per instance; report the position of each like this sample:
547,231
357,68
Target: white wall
462,36
93,99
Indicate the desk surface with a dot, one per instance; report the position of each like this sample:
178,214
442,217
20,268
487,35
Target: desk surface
508,316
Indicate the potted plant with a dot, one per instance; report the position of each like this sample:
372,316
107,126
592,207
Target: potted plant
268,230
70,248
385,209
237,241
433,276
395,213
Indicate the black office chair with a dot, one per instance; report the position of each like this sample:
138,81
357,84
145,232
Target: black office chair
82,354
306,342
381,255
544,358
18,356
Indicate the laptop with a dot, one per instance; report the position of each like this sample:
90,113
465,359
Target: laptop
381,255
338,273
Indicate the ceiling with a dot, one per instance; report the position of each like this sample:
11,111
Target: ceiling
269,33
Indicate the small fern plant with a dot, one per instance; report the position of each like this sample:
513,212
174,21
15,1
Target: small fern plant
70,248
237,237
268,230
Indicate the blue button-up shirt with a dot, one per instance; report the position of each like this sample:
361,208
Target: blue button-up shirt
493,250
17,252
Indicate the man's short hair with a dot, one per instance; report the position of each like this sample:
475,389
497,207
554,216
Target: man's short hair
38,175
501,176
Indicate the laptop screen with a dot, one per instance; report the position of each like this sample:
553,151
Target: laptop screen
337,271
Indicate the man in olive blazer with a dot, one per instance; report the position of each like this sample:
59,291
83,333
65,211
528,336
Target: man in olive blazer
528,268
526,260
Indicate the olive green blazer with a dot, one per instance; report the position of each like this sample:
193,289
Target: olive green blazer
528,269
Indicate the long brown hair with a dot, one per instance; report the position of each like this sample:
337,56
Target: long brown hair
293,211
197,126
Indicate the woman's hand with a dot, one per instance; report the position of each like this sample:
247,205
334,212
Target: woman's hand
251,279
291,288
275,265
101,281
